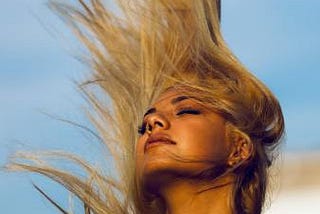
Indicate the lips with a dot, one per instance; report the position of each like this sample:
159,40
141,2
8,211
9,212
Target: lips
158,139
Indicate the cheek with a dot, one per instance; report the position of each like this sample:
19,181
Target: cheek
203,139
140,143
139,152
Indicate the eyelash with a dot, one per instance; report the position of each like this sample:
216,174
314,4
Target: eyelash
188,111
142,128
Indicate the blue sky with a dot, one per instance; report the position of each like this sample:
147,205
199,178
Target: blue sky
277,40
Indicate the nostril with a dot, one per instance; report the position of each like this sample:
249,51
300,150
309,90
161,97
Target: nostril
148,128
155,121
158,123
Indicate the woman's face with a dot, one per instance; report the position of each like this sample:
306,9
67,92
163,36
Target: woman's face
179,137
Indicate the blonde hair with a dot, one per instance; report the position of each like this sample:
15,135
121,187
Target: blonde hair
136,54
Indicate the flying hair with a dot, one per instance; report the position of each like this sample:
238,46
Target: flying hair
137,53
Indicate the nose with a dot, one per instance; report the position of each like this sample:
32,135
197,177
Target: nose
157,121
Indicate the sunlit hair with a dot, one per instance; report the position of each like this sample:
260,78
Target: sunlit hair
137,53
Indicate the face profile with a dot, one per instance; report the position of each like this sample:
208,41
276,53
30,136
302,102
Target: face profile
180,137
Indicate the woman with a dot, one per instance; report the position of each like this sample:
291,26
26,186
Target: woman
209,128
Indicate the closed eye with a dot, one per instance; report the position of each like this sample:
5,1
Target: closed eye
188,111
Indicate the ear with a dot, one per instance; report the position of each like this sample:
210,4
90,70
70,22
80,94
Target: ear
241,150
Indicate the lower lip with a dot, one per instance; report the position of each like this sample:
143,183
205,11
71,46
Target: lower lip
157,143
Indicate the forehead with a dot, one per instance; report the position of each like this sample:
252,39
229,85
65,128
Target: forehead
167,96
173,96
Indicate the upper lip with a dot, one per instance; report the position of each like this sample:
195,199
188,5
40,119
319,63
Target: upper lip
158,138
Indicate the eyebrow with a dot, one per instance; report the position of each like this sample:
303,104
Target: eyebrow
179,99
150,111
173,102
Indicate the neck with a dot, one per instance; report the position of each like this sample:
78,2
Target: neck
186,196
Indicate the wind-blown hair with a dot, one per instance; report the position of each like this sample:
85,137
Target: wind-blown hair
135,55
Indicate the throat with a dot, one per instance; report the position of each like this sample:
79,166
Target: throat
187,196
